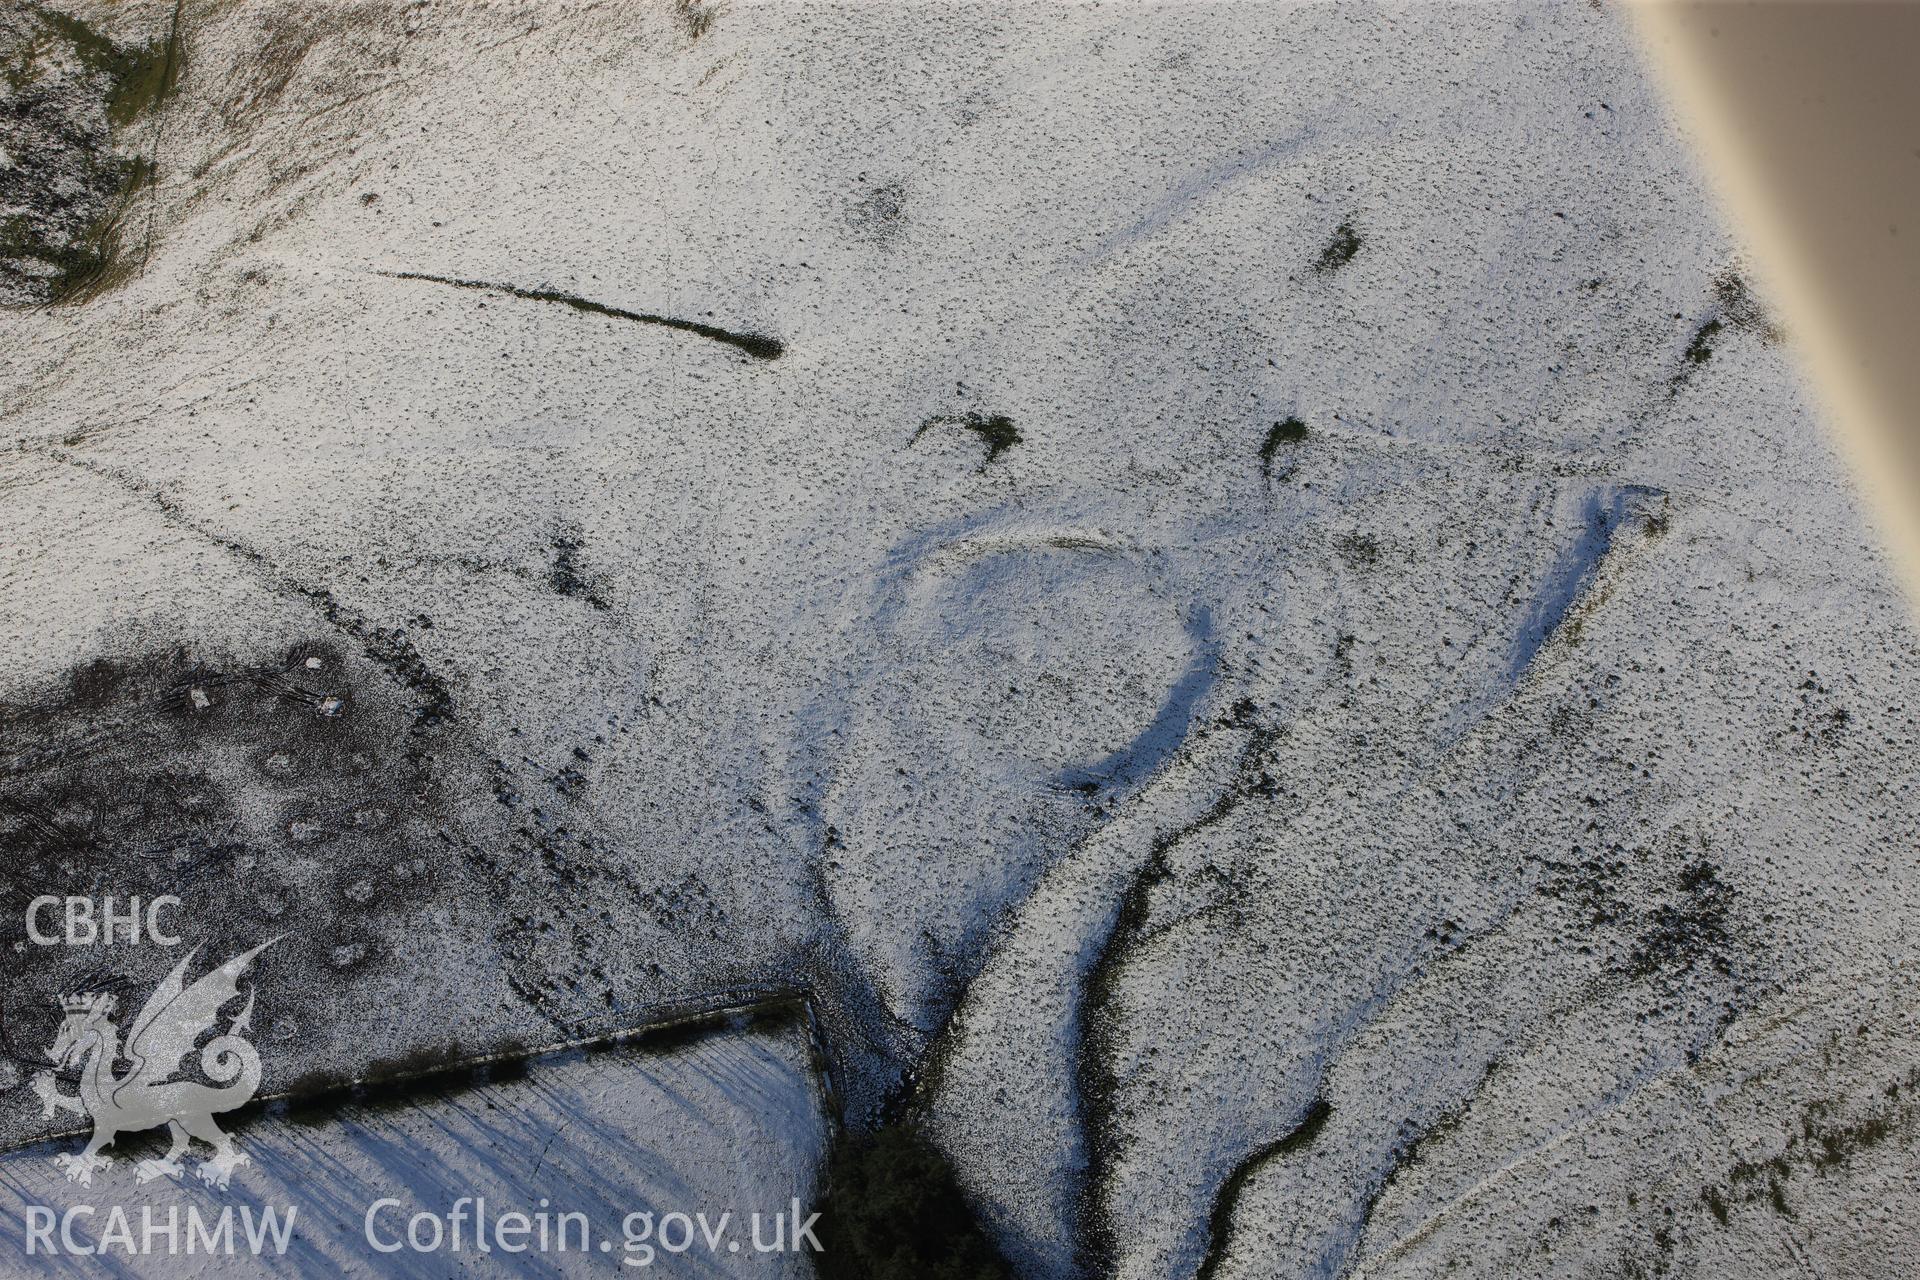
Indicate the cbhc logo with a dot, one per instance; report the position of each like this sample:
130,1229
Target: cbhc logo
84,926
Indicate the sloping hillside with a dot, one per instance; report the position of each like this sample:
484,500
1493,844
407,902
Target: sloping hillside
1243,595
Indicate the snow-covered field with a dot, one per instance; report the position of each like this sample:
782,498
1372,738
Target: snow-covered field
1245,595
617,1138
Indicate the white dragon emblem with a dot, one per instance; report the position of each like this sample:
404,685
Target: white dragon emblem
146,1096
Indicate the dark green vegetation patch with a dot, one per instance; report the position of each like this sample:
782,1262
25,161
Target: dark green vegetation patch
1220,1220
995,430
66,93
1340,250
759,346
1735,308
1700,350
1289,432
136,76
893,1211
